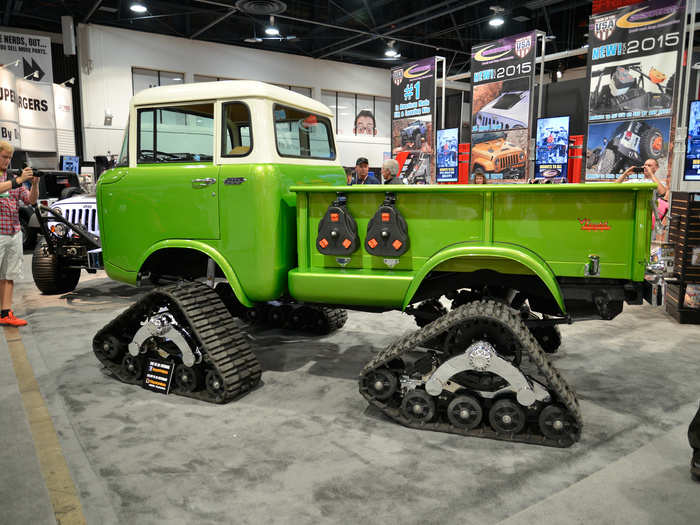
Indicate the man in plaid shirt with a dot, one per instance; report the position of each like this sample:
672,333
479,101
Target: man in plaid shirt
11,192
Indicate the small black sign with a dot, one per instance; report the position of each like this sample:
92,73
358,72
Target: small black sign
159,374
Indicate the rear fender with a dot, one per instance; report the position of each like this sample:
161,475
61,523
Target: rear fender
509,252
209,251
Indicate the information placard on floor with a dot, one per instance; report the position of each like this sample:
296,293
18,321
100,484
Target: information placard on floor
159,374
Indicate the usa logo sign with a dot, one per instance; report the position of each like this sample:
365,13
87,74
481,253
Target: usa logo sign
397,76
523,46
604,27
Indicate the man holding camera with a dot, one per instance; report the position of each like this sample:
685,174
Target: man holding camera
649,169
12,191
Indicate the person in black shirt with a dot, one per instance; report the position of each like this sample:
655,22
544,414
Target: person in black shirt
361,175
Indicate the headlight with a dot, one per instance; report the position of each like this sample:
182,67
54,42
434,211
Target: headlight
59,229
57,210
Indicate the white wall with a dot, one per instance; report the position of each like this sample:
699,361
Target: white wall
107,55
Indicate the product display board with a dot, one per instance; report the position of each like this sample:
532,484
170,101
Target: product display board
502,79
692,154
552,153
412,117
633,62
32,51
447,144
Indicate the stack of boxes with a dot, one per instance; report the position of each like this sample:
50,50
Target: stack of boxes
683,293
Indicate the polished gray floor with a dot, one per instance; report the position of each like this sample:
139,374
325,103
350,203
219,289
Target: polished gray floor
305,447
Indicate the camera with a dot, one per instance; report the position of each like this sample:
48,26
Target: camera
638,169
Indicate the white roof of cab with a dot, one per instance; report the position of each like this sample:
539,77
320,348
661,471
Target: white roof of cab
227,90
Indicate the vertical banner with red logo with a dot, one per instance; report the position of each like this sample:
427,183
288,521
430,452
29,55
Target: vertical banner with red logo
633,63
502,79
412,118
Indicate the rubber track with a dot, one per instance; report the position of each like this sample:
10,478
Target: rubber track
223,345
555,382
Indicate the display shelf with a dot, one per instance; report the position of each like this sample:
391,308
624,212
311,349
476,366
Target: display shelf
675,303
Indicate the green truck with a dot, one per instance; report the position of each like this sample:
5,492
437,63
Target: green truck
229,195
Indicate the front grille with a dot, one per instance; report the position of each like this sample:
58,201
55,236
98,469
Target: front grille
85,217
509,160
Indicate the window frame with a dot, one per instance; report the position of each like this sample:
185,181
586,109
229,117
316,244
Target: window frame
139,110
224,129
329,133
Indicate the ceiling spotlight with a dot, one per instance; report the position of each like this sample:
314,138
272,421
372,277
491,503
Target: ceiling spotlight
33,74
390,51
10,64
70,81
138,8
497,19
272,30
559,73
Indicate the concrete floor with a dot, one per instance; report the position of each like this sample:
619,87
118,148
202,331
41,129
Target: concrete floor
306,448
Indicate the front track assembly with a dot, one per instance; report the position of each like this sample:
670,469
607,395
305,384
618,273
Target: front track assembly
188,325
472,383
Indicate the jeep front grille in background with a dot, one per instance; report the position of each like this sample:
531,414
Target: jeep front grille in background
508,161
85,217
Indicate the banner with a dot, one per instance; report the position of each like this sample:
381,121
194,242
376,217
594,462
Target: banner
502,73
552,153
692,152
412,117
37,120
9,116
633,64
33,52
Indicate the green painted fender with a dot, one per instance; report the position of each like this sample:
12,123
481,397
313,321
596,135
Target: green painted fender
513,252
206,249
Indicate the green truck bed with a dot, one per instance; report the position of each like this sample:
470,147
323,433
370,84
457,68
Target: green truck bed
547,231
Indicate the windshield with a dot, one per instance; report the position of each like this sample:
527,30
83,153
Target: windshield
485,137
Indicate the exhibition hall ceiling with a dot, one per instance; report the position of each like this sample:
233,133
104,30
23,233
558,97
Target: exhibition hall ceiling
351,31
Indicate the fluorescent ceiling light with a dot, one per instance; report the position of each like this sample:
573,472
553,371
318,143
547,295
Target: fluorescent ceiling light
496,21
138,8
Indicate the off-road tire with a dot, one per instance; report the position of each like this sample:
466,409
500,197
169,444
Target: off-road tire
28,235
48,274
646,140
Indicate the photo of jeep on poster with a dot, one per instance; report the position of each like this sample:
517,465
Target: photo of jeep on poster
501,156
500,106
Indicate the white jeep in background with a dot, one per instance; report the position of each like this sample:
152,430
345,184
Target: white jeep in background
70,230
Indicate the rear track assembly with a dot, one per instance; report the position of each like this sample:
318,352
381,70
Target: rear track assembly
473,385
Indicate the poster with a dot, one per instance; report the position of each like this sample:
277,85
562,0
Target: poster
502,73
32,51
633,61
37,121
552,149
9,116
692,153
412,118
447,145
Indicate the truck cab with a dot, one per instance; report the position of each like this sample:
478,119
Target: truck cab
206,170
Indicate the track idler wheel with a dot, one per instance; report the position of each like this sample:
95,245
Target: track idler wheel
186,378
465,412
556,423
133,367
418,406
507,417
214,384
381,384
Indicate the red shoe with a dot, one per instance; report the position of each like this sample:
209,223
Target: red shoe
11,320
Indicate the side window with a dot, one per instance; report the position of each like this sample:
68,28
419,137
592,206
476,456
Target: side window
237,140
124,153
176,134
299,133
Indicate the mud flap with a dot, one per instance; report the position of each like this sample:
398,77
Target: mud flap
387,233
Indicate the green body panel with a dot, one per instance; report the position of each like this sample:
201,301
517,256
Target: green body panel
248,228
549,231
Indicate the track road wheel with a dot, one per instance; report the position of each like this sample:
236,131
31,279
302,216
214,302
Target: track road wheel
186,379
507,417
112,348
418,406
214,384
133,367
465,412
49,276
556,423
381,384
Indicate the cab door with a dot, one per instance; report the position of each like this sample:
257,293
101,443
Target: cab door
172,192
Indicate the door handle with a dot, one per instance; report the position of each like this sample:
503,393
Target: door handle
202,183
